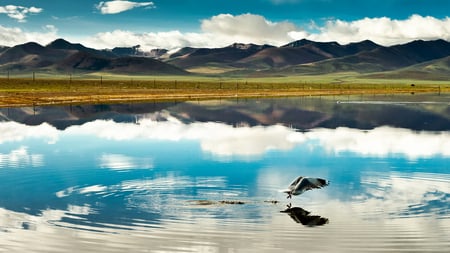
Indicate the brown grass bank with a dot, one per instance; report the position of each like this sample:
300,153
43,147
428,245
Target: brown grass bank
27,92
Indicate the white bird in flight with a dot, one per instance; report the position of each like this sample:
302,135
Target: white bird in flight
302,184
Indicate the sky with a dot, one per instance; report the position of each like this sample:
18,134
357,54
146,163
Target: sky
172,24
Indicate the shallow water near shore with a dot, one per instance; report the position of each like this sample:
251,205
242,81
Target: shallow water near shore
207,176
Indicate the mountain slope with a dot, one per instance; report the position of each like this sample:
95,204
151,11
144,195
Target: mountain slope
30,56
431,70
379,59
302,52
62,44
61,56
3,48
82,61
302,57
191,57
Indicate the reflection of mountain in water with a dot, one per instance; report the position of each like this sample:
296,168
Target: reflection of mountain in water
300,113
64,116
302,216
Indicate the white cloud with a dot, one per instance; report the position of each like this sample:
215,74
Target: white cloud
11,36
384,30
248,28
118,6
168,40
218,31
19,13
225,29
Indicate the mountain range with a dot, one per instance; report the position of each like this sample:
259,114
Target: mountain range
61,56
419,59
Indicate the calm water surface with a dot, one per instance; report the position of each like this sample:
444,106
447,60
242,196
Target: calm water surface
207,176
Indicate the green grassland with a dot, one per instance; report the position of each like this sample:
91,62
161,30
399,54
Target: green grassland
44,89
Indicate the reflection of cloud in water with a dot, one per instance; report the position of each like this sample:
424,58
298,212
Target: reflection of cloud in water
93,189
13,131
383,141
20,158
123,162
10,220
217,138
246,141
222,139
404,194
225,140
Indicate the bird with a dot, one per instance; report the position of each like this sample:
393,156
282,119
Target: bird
302,184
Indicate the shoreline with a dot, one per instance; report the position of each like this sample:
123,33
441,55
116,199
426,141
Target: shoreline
24,93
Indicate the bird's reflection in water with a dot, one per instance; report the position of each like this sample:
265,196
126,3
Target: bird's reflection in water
302,216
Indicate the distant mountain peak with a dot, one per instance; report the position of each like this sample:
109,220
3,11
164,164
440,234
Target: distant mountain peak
299,43
122,51
365,43
241,45
64,44
30,47
249,46
59,42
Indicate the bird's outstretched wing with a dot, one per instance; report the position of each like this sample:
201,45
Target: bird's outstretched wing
309,183
294,183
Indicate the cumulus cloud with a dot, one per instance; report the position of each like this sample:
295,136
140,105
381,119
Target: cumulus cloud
167,40
19,13
218,31
118,6
11,36
248,28
384,30
225,29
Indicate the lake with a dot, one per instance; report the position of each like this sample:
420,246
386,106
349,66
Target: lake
207,176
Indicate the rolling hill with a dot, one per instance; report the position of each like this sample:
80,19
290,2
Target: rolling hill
61,56
83,61
430,70
199,57
306,57
304,51
379,59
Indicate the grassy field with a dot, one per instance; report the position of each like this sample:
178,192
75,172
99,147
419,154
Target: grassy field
99,88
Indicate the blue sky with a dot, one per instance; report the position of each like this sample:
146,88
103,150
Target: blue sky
175,23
